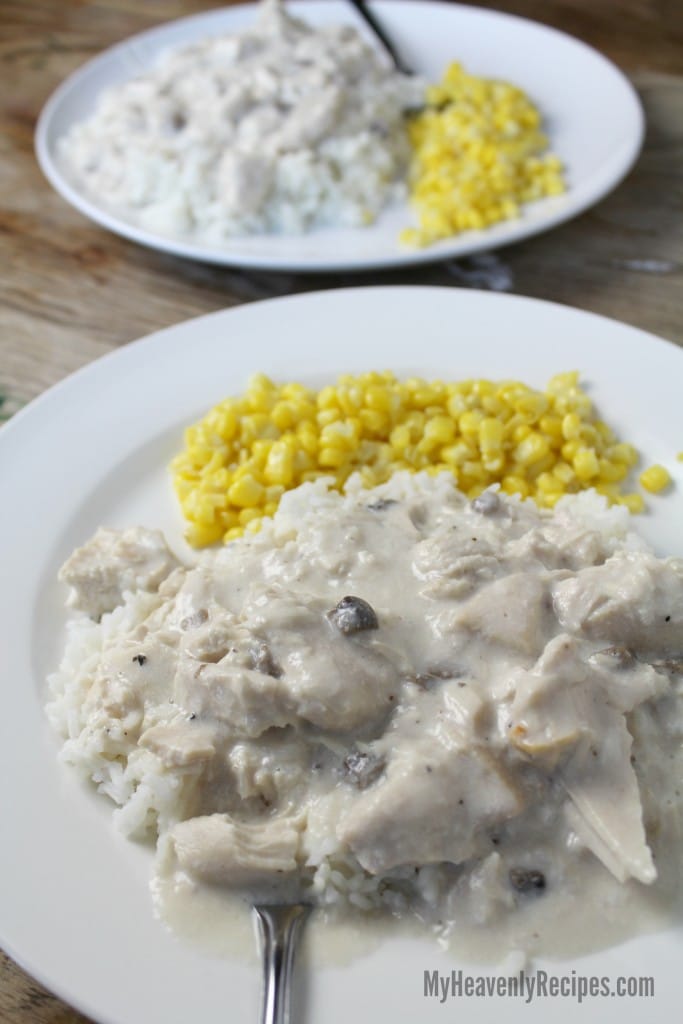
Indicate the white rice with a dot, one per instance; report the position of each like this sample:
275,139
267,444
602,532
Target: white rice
278,129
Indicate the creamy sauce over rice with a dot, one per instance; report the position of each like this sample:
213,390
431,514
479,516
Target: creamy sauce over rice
398,703
276,129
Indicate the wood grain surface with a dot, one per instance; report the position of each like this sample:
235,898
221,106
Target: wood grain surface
69,291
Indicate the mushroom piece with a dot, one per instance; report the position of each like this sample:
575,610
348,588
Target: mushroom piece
353,615
362,769
526,880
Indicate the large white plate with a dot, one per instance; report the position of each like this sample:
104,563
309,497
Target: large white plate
592,114
74,904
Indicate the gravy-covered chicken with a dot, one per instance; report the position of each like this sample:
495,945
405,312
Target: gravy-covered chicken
396,697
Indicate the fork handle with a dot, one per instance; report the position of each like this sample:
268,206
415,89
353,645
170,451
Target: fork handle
374,25
279,927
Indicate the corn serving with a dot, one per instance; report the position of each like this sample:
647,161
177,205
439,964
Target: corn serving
247,451
478,155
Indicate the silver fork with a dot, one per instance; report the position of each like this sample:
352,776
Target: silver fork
280,926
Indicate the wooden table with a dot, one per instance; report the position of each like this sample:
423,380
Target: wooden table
69,292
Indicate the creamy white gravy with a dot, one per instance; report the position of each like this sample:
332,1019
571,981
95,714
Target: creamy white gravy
404,705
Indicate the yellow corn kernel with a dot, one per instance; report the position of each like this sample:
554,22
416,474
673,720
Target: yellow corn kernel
605,432
589,436
326,416
546,462
655,478
201,510
469,423
333,458
415,421
279,467
370,478
571,426
456,454
283,415
551,427
439,430
519,430
200,537
515,485
350,399
634,502
341,434
226,424
564,473
247,515
491,434
531,406
474,470
547,499
327,398
493,406
399,439
531,449
259,451
308,437
245,492
612,472
610,491
625,453
373,421
456,405
585,463
548,483
569,450
255,426
259,401
561,382
380,399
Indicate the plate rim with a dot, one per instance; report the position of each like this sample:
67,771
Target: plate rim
156,337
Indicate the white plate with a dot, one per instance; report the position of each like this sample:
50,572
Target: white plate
592,116
74,904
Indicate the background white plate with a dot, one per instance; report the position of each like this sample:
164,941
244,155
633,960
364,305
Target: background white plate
592,116
74,904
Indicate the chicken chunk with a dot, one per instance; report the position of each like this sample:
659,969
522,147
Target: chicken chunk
335,681
633,599
181,743
453,563
246,701
605,809
441,789
568,717
215,849
513,612
114,562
